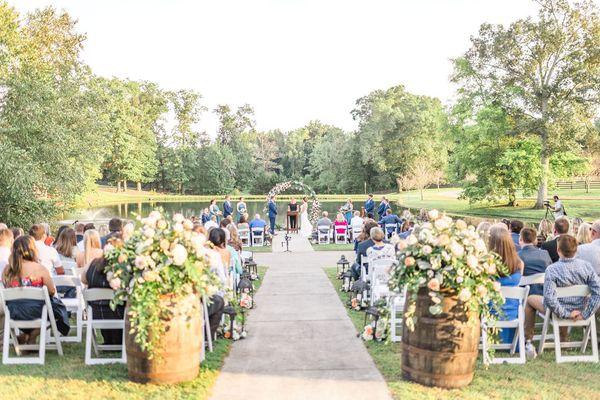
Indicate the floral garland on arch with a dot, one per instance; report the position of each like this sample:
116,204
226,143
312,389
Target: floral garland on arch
315,210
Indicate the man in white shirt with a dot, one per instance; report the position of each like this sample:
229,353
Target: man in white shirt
590,252
6,241
558,210
211,223
48,256
357,223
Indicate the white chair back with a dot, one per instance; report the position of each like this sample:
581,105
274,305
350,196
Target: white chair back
101,294
532,279
244,235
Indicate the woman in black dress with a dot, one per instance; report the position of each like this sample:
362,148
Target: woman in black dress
95,277
293,207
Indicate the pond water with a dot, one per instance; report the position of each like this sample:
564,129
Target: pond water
130,210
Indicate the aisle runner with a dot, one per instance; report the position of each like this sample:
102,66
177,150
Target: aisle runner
301,343
297,244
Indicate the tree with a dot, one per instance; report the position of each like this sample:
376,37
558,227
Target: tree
421,174
397,129
544,75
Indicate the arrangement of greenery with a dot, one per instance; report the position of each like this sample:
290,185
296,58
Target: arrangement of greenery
161,259
449,259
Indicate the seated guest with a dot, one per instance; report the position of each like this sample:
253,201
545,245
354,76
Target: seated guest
407,229
212,223
223,225
544,231
584,233
243,224
6,242
257,224
234,239
48,256
324,223
390,219
86,228
92,249
363,246
357,223
23,270
49,238
17,232
561,227
515,230
536,260
380,250
79,226
95,277
66,246
568,271
115,226
341,225
219,259
205,217
500,242
483,230
590,252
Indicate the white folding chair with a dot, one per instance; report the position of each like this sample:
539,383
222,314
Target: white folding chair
532,279
244,235
380,275
70,268
520,294
364,268
207,336
397,307
323,234
258,238
90,295
341,237
12,326
390,229
74,305
588,325
356,231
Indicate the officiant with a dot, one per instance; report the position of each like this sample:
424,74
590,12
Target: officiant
293,215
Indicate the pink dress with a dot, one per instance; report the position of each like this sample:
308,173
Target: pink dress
340,226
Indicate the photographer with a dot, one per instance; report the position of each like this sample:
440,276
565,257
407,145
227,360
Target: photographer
558,209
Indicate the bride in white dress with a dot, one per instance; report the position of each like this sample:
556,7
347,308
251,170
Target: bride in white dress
305,225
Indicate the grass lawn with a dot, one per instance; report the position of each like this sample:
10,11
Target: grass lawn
577,202
259,249
541,378
333,247
68,378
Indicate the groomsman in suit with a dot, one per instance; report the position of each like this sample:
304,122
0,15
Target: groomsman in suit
370,205
227,207
383,206
272,213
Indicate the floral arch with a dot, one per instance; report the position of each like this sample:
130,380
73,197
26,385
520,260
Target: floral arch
315,209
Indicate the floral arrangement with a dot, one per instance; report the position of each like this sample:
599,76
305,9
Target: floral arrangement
448,258
161,259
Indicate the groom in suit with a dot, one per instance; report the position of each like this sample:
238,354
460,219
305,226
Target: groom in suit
370,205
227,207
272,213
383,206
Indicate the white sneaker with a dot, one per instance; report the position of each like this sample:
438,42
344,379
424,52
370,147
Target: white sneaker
530,352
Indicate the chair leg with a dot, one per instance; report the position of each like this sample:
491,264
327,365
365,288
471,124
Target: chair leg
557,349
594,338
6,339
521,329
484,345
544,333
89,332
43,332
586,338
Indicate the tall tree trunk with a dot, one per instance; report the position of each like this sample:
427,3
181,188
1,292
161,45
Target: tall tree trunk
512,197
543,188
124,185
421,193
118,186
139,186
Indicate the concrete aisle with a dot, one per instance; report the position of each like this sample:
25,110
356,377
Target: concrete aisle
301,343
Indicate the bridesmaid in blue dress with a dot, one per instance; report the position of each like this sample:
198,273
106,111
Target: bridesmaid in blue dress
241,208
500,242
213,209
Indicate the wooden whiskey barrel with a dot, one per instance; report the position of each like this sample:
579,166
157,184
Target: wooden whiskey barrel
178,356
442,350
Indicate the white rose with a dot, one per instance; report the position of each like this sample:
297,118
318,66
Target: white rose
155,215
427,250
188,225
457,249
480,245
161,224
472,261
443,223
459,279
464,295
461,225
178,217
115,283
198,240
433,215
149,232
140,262
108,248
178,227
412,240
180,254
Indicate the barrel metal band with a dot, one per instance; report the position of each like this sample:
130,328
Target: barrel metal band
436,376
413,349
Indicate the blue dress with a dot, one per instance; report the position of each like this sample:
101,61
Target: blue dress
510,309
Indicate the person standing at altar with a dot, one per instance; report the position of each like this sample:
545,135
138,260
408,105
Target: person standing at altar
272,213
241,208
214,211
347,210
293,208
383,207
370,205
227,207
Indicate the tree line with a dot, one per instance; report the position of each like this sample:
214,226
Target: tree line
527,98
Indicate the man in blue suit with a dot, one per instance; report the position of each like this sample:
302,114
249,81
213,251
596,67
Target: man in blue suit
390,219
370,205
383,206
227,207
272,213
535,259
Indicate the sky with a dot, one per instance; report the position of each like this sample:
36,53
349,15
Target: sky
292,60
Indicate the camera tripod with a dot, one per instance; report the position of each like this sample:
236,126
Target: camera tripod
286,242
